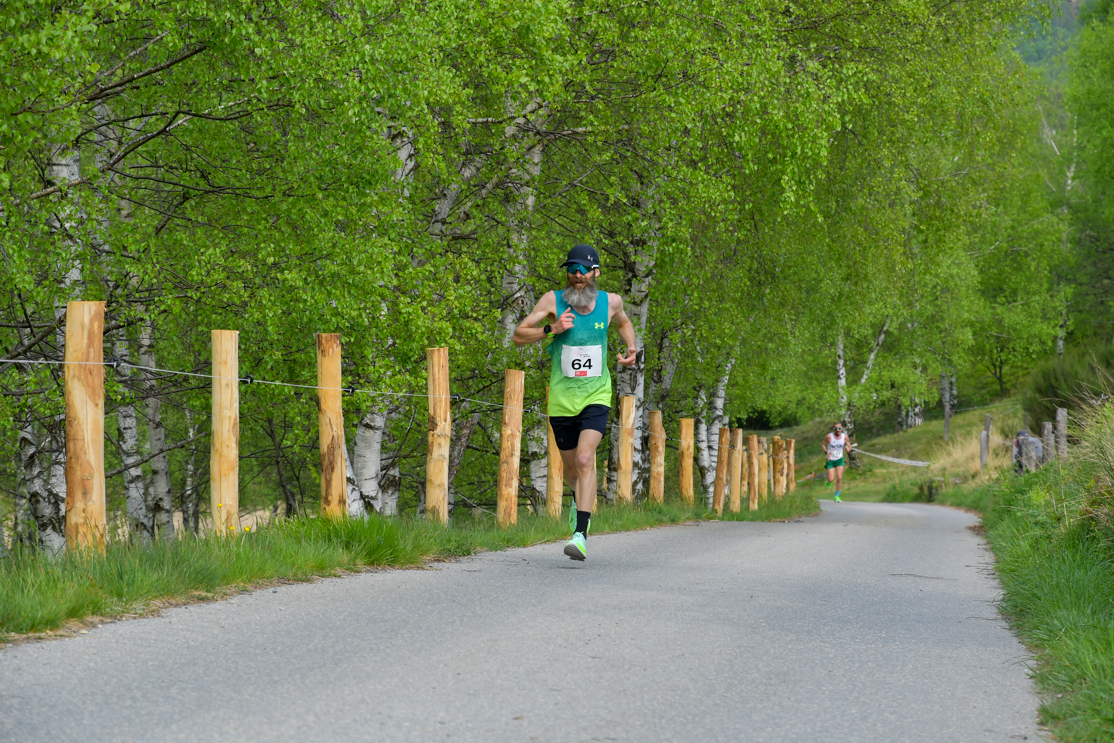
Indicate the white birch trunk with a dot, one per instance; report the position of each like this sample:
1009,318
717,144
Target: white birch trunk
51,512
537,449
356,506
49,521
161,504
704,460
390,484
517,294
368,457
365,468
841,380
127,424
191,506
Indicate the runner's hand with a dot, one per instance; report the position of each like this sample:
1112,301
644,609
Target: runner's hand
564,322
629,359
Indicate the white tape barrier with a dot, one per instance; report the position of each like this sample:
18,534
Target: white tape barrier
895,460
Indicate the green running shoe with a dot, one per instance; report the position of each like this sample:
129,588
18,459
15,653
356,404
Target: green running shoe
828,485
837,498
576,548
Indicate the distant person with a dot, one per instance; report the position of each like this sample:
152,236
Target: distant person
579,380
834,445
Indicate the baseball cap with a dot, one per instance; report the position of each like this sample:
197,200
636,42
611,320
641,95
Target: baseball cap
583,254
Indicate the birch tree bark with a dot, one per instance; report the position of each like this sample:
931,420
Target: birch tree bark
357,509
708,423
946,399
161,501
517,293
127,424
191,504
631,381
703,453
841,386
49,521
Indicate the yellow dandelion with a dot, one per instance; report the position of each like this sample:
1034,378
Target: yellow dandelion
220,505
247,528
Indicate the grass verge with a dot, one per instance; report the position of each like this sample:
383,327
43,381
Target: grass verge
39,594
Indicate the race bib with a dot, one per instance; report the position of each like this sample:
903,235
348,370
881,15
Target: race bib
582,361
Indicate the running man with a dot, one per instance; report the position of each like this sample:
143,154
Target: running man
834,444
579,380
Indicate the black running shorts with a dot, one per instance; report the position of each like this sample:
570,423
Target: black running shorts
567,428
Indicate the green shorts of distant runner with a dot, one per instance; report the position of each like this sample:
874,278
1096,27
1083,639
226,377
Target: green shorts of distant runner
833,463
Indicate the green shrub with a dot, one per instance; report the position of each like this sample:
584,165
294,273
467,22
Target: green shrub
1082,374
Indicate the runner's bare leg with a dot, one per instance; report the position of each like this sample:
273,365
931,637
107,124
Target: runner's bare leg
580,469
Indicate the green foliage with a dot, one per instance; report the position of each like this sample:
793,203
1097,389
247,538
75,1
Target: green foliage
1074,381
766,180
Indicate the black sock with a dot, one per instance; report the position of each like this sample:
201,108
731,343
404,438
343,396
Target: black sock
582,522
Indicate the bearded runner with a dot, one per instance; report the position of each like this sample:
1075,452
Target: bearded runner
577,320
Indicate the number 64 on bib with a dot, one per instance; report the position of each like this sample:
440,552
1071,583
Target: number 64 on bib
582,361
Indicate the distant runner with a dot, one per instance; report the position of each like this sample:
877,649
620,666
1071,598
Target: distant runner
834,444
579,380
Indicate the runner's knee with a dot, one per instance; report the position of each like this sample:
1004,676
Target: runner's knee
585,461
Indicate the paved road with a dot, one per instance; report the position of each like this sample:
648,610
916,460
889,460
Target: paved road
872,622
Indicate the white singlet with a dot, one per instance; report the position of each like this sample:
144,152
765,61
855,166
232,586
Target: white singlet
835,447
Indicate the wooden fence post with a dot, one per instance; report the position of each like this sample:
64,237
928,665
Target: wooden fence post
685,466
554,471
791,463
510,448
777,476
763,469
625,465
752,472
1062,433
657,457
723,460
330,422
984,449
439,436
736,470
1048,443
224,452
84,392
1029,461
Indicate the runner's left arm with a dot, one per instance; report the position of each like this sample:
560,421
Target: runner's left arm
625,327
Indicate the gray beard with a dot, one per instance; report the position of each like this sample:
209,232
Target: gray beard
581,299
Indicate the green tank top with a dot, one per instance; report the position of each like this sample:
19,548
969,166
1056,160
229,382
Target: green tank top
578,373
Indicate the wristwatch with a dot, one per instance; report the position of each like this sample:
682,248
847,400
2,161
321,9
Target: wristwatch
548,330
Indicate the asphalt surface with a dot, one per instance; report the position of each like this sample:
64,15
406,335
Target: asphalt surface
871,622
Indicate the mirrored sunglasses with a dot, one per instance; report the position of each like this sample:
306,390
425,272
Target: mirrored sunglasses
577,268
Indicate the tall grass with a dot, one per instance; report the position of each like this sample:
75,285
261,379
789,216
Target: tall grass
38,593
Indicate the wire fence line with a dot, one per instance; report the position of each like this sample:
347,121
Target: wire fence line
114,363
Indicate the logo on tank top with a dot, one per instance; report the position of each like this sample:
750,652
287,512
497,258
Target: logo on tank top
599,326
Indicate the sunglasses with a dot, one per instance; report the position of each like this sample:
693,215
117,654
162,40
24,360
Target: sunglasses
577,268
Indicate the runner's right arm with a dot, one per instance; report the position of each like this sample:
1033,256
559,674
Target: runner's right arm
528,330
824,444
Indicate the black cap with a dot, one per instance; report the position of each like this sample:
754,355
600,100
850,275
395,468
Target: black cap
583,254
